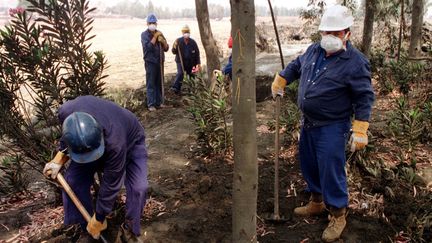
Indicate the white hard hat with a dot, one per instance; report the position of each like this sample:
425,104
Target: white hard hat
336,18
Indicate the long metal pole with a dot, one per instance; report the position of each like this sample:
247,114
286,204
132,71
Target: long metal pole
277,114
277,34
162,73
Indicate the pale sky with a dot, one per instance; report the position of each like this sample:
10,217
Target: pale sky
179,4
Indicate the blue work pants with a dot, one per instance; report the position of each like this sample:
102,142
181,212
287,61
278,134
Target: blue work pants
153,84
322,159
179,77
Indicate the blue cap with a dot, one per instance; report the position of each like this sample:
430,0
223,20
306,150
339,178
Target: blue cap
84,137
151,18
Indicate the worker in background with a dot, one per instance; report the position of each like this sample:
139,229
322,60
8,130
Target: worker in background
227,70
100,135
154,45
335,88
187,57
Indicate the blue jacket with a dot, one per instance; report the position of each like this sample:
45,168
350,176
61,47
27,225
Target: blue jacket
227,70
121,129
341,88
189,52
152,52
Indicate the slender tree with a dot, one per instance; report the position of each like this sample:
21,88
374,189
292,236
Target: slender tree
401,27
245,183
370,7
209,43
416,27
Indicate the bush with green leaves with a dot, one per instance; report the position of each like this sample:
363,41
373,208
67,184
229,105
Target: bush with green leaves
127,98
44,61
407,123
209,107
13,179
391,73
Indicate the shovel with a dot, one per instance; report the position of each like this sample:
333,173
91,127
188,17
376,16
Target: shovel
76,201
276,217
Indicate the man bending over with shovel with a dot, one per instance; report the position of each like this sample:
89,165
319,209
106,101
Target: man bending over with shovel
99,135
335,84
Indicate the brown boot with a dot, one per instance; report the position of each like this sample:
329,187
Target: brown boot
314,207
126,236
336,226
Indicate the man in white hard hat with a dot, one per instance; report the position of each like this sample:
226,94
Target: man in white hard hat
334,94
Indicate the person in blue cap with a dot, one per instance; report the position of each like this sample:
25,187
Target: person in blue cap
154,45
99,135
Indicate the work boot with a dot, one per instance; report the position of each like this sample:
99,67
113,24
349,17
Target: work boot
336,226
313,208
126,236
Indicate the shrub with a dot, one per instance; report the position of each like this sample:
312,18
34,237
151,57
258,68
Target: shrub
44,60
209,107
127,98
13,178
406,123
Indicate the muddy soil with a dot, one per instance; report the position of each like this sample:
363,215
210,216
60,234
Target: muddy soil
197,191
190,196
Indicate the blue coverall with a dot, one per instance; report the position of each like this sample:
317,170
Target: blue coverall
152,62
190,56
124,161
227,70
331,90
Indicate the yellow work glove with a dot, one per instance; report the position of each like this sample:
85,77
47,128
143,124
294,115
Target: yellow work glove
175,44
95,227
53,167
278,86
157,34
359,138
161,38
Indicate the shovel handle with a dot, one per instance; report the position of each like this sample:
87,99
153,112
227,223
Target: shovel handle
73,197
276,167
76,201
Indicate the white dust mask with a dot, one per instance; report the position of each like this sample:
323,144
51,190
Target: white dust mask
331,43
152,27
186,35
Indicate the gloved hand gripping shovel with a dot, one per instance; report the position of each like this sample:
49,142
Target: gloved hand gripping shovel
76,201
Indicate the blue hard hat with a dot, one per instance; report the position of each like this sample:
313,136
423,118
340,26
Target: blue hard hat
84,137
151,18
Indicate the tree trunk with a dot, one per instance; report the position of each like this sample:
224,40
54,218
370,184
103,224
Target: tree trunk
401,27
416,28
207,39
368,26
245,181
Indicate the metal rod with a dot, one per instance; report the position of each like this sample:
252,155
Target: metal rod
276,182
162,72
277,34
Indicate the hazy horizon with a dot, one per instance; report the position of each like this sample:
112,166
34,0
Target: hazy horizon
173,4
